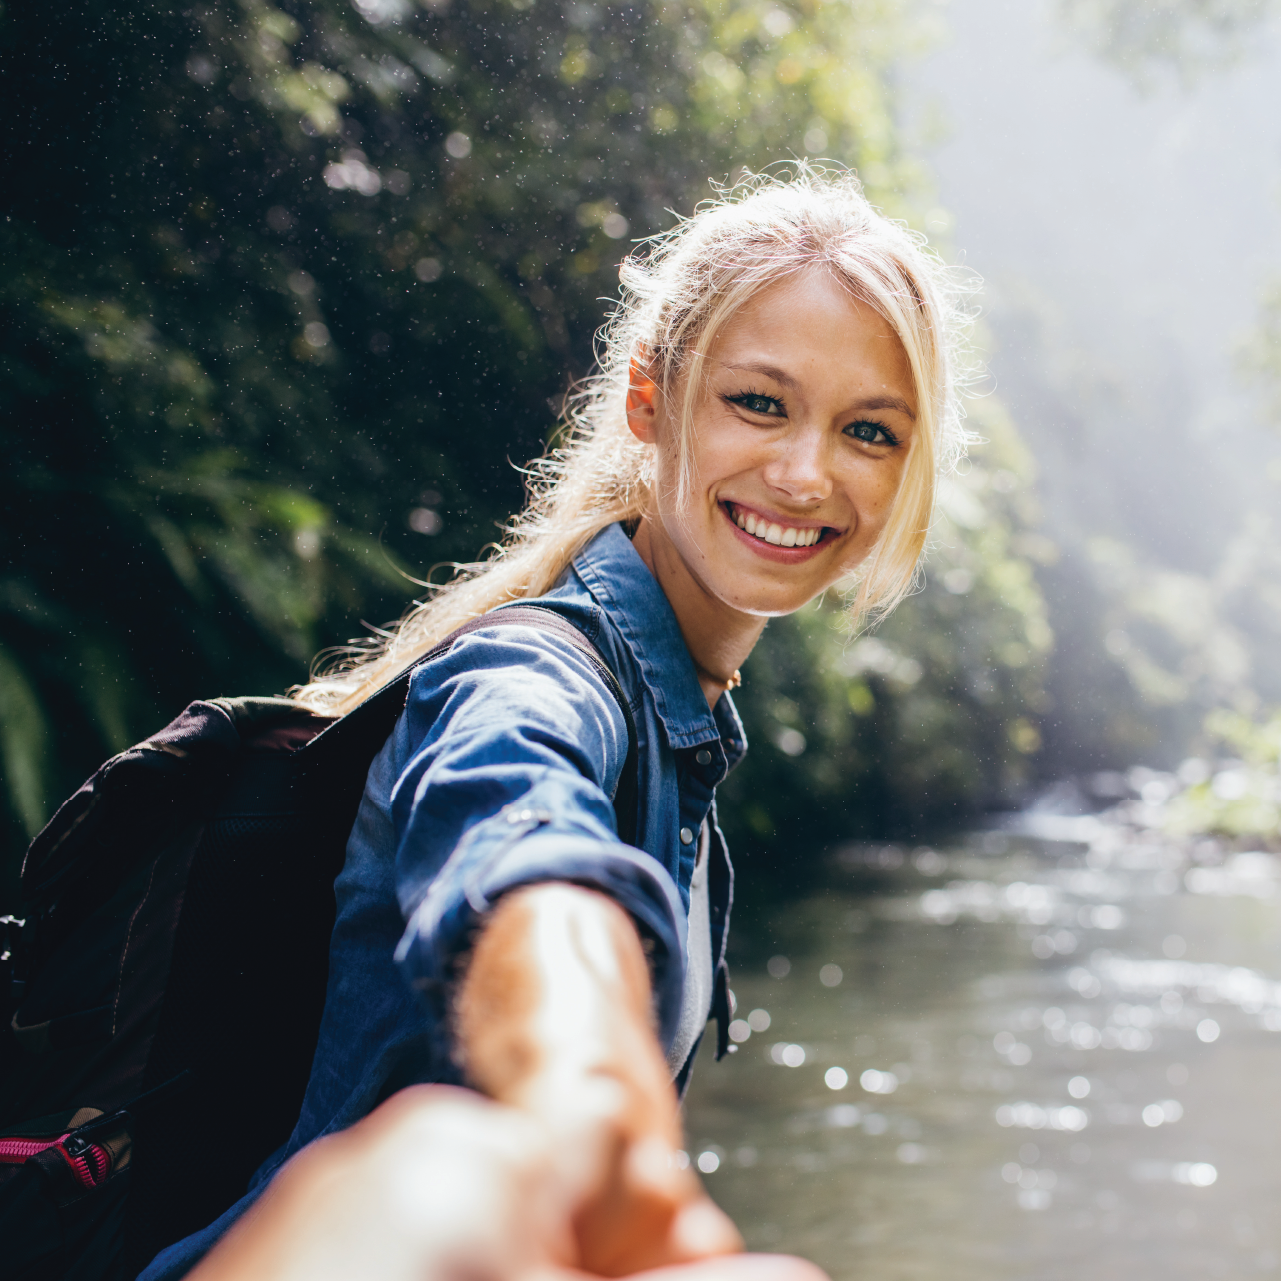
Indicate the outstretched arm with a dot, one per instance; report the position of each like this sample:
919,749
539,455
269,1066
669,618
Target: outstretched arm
555,1018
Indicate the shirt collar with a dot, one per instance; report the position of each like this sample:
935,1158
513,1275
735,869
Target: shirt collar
620,582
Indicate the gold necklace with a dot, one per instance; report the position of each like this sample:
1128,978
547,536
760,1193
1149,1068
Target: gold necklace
735,679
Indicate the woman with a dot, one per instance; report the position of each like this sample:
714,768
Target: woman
775,398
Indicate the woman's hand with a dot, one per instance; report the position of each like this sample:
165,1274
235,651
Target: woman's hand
555,1019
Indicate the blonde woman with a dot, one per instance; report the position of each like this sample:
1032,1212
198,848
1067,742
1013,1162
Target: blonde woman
775,399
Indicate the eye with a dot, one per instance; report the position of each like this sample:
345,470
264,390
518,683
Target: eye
756,402
871,433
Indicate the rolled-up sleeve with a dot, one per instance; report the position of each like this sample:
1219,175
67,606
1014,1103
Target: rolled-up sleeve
514,746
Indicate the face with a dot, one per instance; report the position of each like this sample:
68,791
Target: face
800,443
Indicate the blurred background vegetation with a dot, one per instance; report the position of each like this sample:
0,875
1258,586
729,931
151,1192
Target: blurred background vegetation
291,288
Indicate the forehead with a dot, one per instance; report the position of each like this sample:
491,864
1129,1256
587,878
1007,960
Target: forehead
813,327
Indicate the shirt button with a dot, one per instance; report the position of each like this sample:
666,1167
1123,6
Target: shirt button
703,756
687,836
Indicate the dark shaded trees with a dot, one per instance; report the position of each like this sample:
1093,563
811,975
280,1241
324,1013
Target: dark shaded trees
290,288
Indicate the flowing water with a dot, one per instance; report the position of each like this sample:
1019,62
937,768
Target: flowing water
1047,1054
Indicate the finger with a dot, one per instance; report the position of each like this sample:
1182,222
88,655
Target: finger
699,1228
738,1267
702,1230
734,1267
651,1215
652,1168
623,1228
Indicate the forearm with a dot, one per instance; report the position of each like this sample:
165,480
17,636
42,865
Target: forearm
554,1017
556,999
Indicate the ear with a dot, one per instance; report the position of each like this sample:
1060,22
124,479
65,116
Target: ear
642,395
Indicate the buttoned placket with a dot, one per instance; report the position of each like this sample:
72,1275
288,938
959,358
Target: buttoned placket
701,770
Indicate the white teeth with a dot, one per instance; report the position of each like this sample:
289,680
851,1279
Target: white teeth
776,534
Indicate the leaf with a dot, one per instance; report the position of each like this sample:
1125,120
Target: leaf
24,737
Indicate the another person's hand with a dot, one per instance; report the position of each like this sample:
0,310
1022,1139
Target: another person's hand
437,1184
556,1019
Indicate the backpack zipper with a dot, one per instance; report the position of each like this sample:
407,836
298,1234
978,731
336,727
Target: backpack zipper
89,1162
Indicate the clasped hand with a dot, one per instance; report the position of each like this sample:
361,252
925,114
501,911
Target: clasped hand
569,1167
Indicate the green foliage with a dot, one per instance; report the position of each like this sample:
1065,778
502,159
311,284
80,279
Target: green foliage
1244,798
1144,652
290,287
23,737
1179,635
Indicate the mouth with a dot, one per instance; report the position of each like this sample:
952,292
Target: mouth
776,539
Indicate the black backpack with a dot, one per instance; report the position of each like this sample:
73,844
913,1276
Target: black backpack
168,980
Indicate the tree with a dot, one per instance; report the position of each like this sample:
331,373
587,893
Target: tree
292,286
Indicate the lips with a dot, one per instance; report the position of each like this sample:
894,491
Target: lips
775,533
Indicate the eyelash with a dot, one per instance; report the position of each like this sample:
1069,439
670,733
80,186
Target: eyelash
744,396
890,437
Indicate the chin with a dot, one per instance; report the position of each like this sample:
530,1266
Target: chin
766,603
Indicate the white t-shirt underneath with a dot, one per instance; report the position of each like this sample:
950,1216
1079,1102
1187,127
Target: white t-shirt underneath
696,999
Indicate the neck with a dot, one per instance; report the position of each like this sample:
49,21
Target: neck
718,637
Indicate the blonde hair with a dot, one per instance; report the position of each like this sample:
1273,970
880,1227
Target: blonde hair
679,289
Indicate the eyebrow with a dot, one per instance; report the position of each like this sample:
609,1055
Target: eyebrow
784,379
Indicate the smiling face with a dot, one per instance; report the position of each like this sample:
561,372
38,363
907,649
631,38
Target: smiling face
800,440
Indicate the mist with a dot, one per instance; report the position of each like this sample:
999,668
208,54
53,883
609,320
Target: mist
1125,214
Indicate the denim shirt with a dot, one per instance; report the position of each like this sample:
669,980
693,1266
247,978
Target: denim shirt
499,773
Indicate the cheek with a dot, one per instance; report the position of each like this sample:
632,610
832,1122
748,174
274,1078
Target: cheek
719,451
890,483
724,449
872,490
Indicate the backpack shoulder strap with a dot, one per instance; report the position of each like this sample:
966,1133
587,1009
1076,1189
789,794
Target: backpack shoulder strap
366,728
627,795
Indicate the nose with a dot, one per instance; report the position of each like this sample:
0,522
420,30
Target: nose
799,467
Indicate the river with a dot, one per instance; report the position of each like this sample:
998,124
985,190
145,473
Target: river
1048,1051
